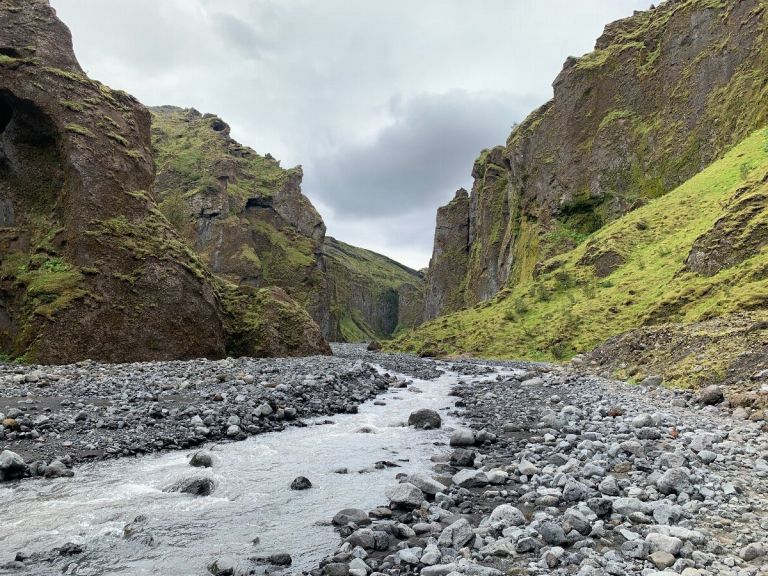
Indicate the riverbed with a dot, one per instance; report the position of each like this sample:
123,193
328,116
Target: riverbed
252,498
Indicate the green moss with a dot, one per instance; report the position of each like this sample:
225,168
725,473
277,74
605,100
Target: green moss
570,309
191,154
152,237
81,130
118,138
73,106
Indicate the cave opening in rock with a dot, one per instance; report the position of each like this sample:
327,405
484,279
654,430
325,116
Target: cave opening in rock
31,166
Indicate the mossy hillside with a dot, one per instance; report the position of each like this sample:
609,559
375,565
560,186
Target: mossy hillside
572,305
367,292
666,92
204,184
195,151
267,322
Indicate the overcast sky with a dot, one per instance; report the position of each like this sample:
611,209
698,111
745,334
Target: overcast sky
385,103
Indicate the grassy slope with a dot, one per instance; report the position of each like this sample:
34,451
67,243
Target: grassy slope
363,268
569,309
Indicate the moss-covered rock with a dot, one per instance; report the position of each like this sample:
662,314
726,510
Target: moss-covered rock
696,254
248,220
370,296
89,267
666,92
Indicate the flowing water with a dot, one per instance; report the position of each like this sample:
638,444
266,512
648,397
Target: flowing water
252,497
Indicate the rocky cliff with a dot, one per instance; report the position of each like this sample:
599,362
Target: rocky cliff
370,296
89,267
665,93
248,220
244,215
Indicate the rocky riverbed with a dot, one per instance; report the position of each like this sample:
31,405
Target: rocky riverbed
72,414
561,473
552,472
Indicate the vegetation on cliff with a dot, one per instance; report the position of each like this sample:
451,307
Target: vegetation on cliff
371,296
652,266
89,266
249,222
666,92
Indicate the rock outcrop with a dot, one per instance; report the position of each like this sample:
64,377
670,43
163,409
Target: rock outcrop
450,253
89,267
369,295
665,93
248,220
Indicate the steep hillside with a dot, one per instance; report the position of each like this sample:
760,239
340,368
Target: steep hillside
665,93
248,220
89,268
692,255
244,215
370,295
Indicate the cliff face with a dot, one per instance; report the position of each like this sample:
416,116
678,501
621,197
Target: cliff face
665,93
369,295
449,255
244,215
248,220
89,268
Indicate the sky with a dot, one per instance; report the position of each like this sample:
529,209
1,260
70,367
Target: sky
385,103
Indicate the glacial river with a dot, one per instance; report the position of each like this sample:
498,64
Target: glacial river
252,496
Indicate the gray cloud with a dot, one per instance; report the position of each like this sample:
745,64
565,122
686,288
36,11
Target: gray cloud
386,103
420,159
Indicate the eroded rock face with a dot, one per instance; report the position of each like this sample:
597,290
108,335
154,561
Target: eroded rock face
245,215
628,122
369,295
249,221
449,258
90,267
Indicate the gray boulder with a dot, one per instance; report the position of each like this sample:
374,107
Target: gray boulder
12,466
425,419
406,495
711,395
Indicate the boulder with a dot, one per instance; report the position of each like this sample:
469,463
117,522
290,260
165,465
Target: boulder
406,495
711,395
12,466
351,515
462,437
301,483
425,419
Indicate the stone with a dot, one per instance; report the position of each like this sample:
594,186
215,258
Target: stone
507,515
201,486
301,483
463,458
462,437
675,481
752,552
456,535
57,469
406,495
426,483
574,491
336,569
201,459
425,419
353,516
662,559
664,543
12,466
470,478
551,533
711,395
